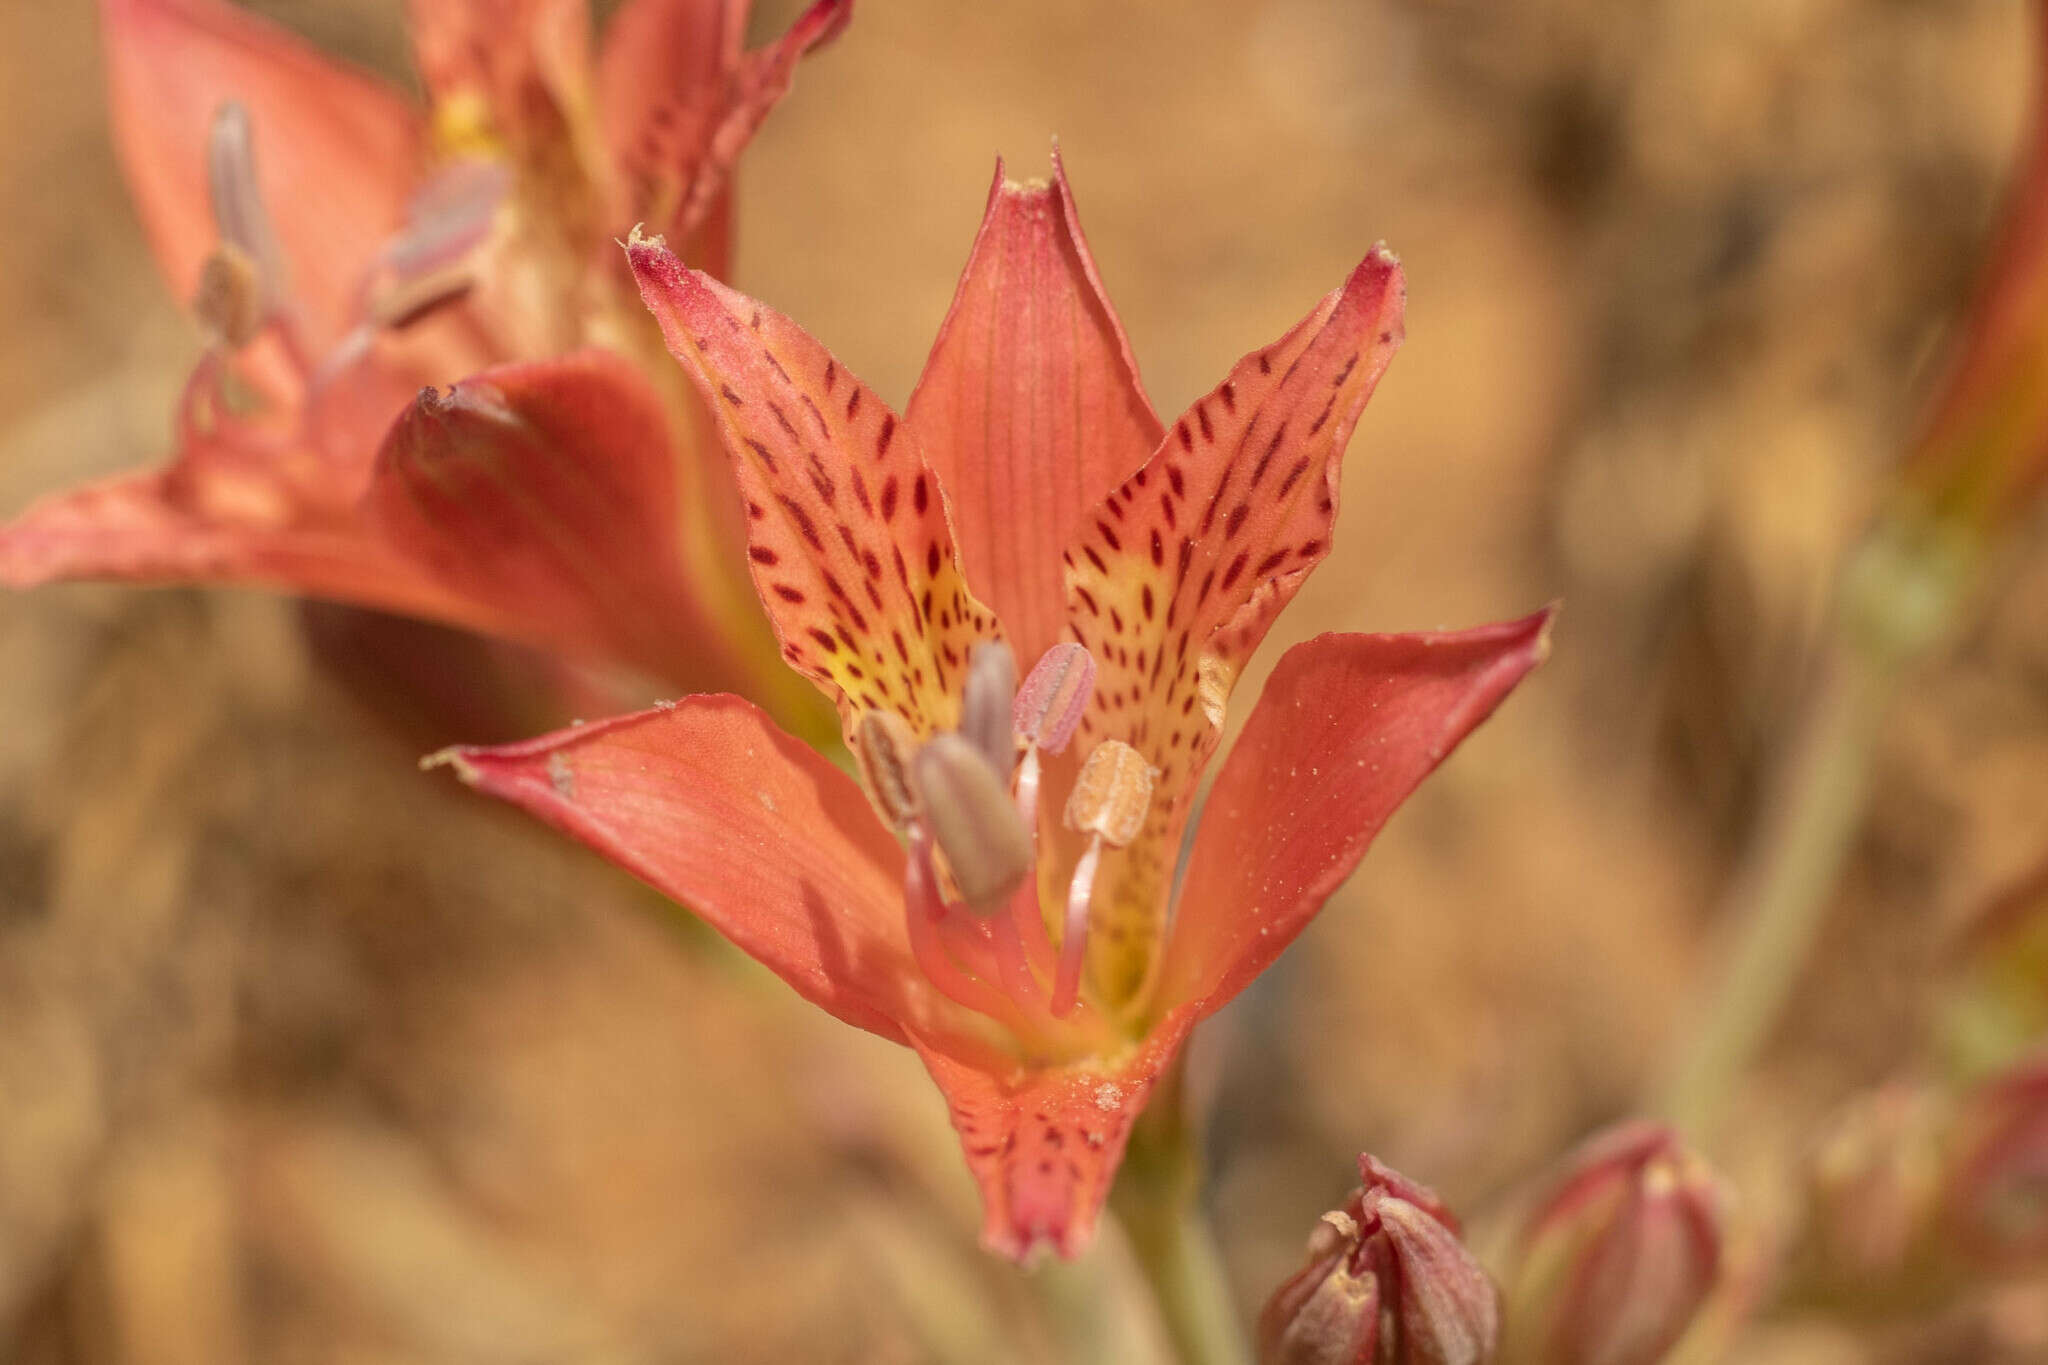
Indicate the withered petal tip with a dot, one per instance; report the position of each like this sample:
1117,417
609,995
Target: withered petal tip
456,757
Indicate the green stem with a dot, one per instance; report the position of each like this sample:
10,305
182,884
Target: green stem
1899,592
1157,1198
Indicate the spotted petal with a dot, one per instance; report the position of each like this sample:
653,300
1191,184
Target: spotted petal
1174,579
1030,406
709,803
1347,727
681,99
336,152
847,533
1044,1143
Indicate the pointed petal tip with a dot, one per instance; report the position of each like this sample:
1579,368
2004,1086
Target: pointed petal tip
822,23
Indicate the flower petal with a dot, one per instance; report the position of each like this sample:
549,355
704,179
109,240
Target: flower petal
544,494
1030,406
336,151
681,99
1346,729
156,528
1045,1144
709,803
851,551
517,70
1175,577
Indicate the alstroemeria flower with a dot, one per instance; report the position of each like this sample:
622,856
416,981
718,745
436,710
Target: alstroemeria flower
1004,900
343,248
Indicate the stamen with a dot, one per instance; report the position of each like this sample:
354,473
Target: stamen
924,911
1109,801
986,701
968,805
229,303
883,747
1112,794
1066,986
239,213
1050,704
404,301
451,216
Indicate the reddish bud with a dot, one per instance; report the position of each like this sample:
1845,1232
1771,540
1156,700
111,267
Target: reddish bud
1619,1254
1995,1197
1387,1283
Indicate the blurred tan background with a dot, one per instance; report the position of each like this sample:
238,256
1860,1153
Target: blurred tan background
305,1056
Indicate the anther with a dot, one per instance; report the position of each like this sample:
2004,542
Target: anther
239,213
229,302
451,216
1050,703
1109,802
985,704
1112,794
968,807
884,746
1048,711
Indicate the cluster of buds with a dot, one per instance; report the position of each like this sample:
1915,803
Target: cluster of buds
1387,1282
1619,1255
966,803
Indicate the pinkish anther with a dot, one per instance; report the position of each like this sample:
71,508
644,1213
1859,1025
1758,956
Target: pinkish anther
968,806
1054,695
985,704
449,217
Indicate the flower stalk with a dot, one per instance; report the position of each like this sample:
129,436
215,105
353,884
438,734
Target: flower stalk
1158,1200
1900,593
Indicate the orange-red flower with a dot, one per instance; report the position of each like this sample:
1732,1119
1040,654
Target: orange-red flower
1006,903
344,248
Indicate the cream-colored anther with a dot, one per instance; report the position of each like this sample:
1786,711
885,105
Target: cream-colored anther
229,301
1112,794
884,747
966,804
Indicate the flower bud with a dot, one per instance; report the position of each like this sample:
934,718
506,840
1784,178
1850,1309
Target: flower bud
1618,1255
1995,1195
1387,1282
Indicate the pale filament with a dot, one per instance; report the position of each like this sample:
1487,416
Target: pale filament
1066,990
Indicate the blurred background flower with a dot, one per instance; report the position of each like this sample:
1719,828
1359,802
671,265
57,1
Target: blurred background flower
308,1059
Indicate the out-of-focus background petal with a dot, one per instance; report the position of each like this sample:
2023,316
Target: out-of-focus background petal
305,1056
